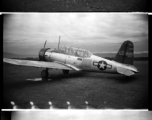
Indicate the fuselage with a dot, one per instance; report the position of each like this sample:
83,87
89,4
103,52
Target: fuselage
91,62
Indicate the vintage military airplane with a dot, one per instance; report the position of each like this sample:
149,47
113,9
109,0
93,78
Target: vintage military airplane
70,58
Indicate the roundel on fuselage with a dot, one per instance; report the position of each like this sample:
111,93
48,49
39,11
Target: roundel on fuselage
102,65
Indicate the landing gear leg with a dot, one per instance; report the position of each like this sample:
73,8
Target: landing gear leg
45,74
65,71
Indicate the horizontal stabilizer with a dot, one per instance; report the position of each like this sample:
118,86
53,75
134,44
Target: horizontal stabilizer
125,71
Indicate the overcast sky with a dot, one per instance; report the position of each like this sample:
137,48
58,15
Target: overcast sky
82,115
96,32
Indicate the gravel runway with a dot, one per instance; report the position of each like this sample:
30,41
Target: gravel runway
102,91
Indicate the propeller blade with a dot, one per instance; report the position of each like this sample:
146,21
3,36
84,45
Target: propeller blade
59,43
45,43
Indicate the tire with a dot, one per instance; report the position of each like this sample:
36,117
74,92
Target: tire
65,71
44,74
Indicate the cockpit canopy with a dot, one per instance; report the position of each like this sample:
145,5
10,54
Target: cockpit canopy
74,51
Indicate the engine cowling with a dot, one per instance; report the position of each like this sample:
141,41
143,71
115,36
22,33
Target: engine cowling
42,54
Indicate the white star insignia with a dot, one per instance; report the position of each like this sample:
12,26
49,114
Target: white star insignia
102,65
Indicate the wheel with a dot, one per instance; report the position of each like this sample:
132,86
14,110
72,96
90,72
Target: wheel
44,74
65,71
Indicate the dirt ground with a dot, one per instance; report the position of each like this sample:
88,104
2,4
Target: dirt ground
73,5
101,90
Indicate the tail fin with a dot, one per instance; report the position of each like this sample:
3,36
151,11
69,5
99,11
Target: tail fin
126,53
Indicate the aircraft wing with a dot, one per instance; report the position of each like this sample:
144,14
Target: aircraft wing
42,64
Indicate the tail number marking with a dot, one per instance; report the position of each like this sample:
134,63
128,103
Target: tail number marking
128,54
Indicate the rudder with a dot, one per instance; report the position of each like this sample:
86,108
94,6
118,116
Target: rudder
126,53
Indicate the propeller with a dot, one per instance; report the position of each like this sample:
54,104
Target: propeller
45,44
59,43
42,52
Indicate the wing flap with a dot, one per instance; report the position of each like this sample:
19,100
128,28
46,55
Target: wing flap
73,67
37,64
70,66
